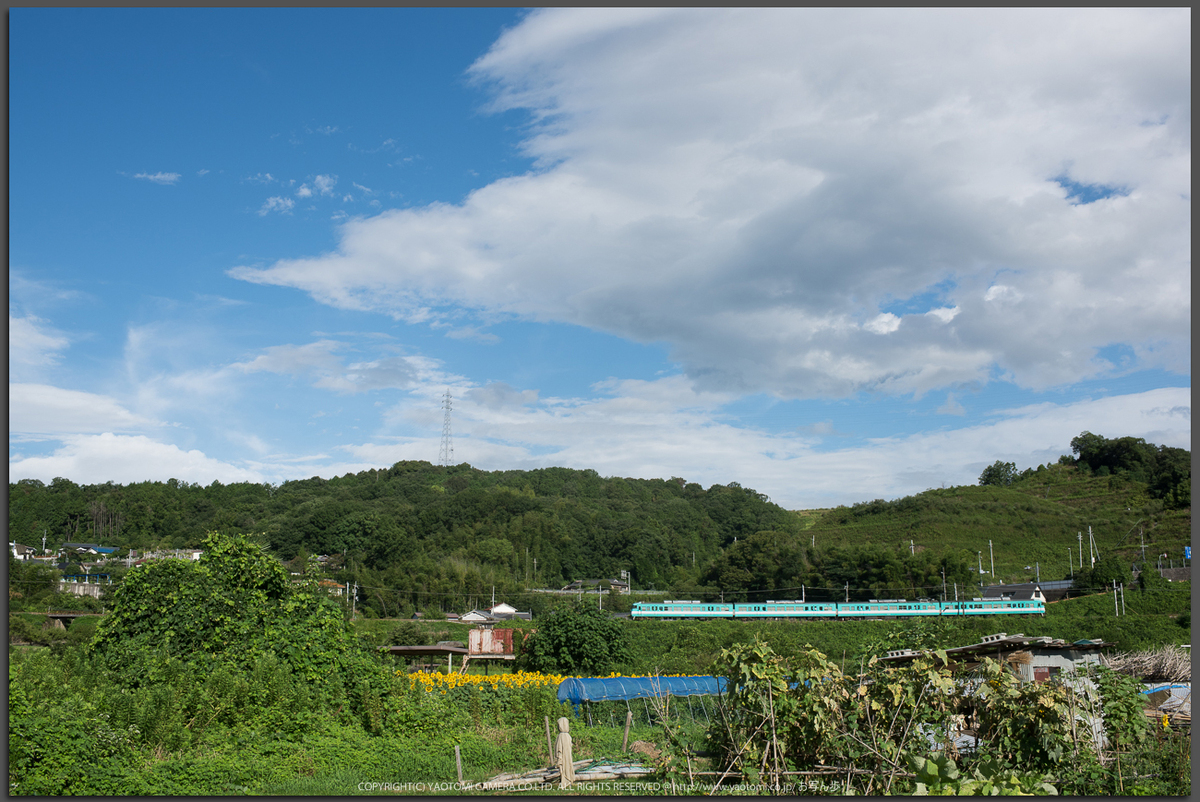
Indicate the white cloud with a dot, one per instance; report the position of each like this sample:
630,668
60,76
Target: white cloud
159,178
32,345
277,204
945,314
885,323
304,191
124,459
41,410
751,186
318,361
325,184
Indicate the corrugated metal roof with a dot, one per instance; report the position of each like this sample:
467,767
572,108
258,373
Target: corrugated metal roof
1002,641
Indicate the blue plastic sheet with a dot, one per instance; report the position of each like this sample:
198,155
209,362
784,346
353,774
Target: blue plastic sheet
611,689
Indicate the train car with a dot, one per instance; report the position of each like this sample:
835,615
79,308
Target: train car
995,607
785,609
887,608
681,609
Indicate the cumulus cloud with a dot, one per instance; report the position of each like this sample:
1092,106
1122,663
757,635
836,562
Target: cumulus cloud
324,184
95,459
754,186
159,178
42,410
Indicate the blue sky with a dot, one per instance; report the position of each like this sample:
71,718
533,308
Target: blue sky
831,255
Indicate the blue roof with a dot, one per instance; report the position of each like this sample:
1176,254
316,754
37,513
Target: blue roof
595,689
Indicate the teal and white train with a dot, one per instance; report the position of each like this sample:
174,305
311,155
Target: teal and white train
876,608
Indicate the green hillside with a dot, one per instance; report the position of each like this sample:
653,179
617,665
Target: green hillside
1034,520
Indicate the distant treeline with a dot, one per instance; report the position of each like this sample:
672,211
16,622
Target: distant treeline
421,536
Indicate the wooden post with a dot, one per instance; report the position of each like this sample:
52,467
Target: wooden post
458,762
549,743
628,721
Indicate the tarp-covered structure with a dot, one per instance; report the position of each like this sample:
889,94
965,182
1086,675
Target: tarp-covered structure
613,689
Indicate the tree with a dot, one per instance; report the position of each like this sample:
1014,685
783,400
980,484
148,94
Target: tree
998,473
1107,570
577,638
232,607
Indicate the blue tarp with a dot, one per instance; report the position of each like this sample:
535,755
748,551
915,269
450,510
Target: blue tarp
595,689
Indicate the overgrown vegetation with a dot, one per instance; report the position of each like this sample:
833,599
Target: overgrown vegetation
889,729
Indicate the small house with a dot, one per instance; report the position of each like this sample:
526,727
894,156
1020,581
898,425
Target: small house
477,617
506,612
332,588
1026,591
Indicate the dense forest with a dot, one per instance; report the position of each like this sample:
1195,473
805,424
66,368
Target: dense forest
417,536
421,536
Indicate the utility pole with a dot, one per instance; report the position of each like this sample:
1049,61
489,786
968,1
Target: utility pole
1091,547
1081,551
1070,564
956,591
911,548
992,557
1037,571
979,560
1122,598
1116,610
847,592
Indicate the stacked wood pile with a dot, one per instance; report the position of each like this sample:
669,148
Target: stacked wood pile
1165,664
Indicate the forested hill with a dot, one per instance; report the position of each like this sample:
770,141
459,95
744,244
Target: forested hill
427,534
1017,525
420,536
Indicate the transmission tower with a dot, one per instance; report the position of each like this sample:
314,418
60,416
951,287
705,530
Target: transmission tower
446,455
